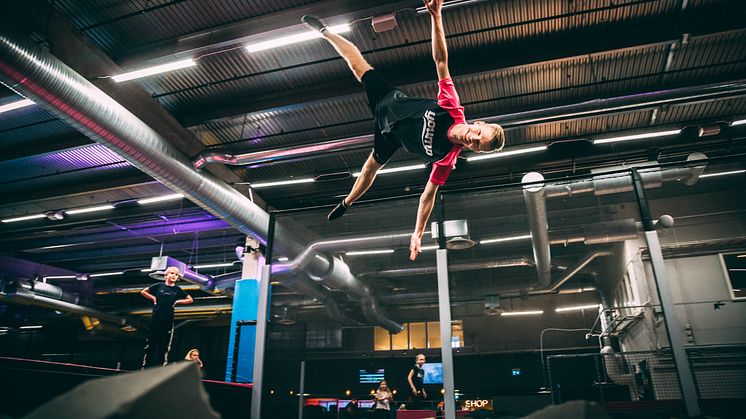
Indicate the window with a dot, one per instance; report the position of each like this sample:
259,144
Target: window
734,270
418,335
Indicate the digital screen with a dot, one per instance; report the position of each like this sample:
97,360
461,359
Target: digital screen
433,373
371,376
516,372
361,404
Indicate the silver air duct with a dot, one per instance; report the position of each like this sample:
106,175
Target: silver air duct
533,194
41,77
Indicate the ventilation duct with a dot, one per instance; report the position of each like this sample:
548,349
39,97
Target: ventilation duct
41,77
533,194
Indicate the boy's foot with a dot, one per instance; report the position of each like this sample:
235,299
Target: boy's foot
313,23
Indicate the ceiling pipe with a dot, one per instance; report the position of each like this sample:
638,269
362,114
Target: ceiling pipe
22,297
568,274
590,108
533,195
37,75
455,267
605,184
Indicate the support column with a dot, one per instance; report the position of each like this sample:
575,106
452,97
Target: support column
674,329
444,309
262,320
302,388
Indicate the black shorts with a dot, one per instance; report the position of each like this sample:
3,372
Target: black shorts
376,87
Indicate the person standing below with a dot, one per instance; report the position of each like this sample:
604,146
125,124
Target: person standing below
383,399
416,382
434,130
165,296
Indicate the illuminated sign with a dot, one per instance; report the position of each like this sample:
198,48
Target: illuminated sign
478,404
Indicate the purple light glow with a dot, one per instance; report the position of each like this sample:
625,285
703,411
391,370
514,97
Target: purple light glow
81,157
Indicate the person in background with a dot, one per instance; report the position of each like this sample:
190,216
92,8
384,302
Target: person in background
165,296
416,382
383,398
193,355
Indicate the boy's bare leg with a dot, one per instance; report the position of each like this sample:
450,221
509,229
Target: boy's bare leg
345,48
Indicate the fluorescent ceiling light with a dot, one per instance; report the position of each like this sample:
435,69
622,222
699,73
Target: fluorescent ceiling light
163,68
105,274
733,124
24,218
16,105
282,259
57,246
90,209
637,136
146,270
576,308
732,172
30,327
160,198
505,239
59,277
426,248
369,252
522,313
213,265
294,39
396,169
280,183
511,152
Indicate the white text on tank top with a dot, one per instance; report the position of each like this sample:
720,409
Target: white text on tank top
428,130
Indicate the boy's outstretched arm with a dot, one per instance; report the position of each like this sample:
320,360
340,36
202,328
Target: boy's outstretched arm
427,200
440,49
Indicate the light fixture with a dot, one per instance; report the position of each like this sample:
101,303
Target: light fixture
505,239
282,259
23,218
30,327
281,182
395,169
637,136
738,122
213,265
59,277
90,209
732,172
149,71
506,153
522,313
295,38
16,105
576,308
160,198
431,247
106,274
369,252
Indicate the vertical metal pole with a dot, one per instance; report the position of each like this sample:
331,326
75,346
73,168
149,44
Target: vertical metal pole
236,345
674,330
302,388
262,312
444,310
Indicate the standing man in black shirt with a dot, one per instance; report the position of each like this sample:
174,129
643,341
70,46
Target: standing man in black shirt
434,130
164,296
416,382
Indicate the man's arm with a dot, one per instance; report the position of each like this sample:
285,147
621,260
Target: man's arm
440,49
427,200
145,293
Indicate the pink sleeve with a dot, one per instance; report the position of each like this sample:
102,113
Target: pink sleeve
442,168
448,99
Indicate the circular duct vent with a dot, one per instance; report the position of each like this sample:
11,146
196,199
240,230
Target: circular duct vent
459,243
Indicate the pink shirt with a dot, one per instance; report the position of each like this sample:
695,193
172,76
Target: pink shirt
448,99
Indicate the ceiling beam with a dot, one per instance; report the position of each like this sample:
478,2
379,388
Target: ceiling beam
252,29
606,38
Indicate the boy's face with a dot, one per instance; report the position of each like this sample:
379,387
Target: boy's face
478,137
420,360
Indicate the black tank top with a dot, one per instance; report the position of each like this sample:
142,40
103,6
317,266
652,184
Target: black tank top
418,376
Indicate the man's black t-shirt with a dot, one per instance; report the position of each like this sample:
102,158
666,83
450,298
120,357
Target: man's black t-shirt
418,377
165,298
418,124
